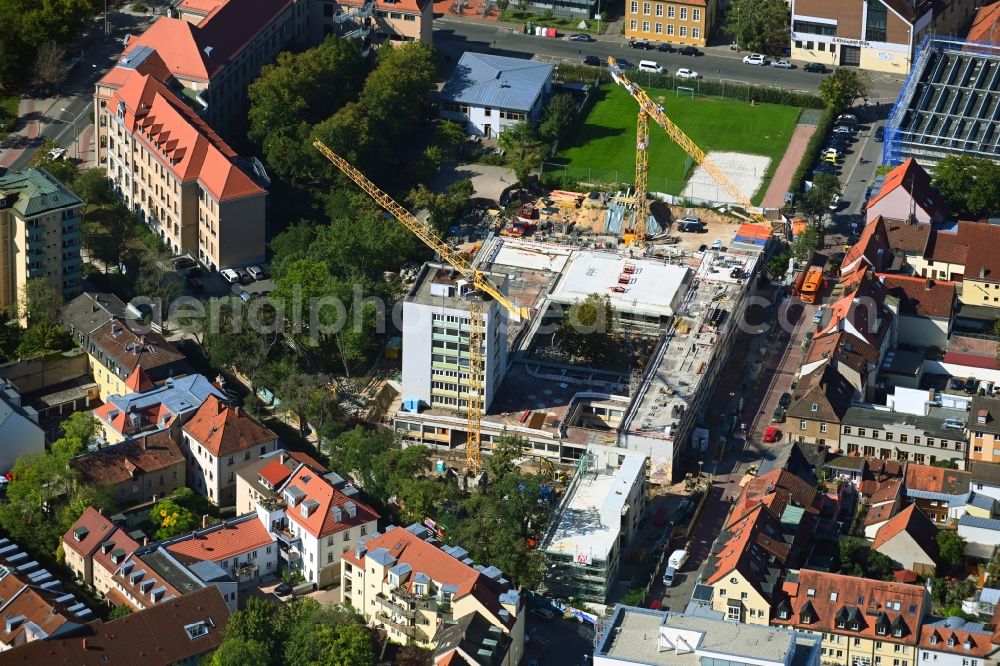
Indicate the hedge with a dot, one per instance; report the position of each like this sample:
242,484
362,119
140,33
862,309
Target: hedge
820,137
745,92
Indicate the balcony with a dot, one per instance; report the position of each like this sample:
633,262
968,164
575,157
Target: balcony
405,629
396,608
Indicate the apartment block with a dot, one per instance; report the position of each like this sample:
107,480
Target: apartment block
219,441
983,429
684,22
260,481
595,524
145,468
409,586
436,342
120,347
39,235
895,435
379,20
94,547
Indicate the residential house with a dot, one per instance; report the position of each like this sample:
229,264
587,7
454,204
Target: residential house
966,253
266,475
149,408
862,621
89,311
819,402
641,636
143,469
862,313
39,235
985,477
112,553
119,346
316,523
745,565
980,506
391,20
407,585
896,435
680,22
954,641
907,194
984,26
473,640
983,432
871,251
219,440
982,535
36,612
180,178
970,354
489,93
19,431
940,493
84,539
910,539
924,307
854,359
183,631
783,493
243,547
908,241
884,503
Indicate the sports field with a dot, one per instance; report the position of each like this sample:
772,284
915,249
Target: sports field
603,147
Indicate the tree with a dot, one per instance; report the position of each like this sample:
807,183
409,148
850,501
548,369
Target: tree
759,25
587,329
240,653
40,301
523,149
41,338
47,157
840,90
777,265
503,460
558,116
105,234
79,435
444,208
946,464
118,612
92,186
878,565
502,5
172,519
50,65
970,185
951,547
806,243
816,202
10,337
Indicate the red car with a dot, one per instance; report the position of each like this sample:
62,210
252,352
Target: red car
771,435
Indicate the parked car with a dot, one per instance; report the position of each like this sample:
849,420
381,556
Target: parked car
828,156
755,59
690,51
624,64
703,247
685,73
544,613
677,559
668,576
970,385
834,202
244,276
879,134
245,296
814,67
847,119
717,245
825,168
779,415
184,263
663,47
650,66
842,129
785,400
782,64
581,37
641,44
284,589
956,384
593,61
771,435
255,272
689,223
818,317
230,276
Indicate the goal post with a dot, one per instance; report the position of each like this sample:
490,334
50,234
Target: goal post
685,90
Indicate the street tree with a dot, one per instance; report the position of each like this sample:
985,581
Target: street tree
806,243
587,329
50,65
970,185
845,86
951,547
816,202
759,25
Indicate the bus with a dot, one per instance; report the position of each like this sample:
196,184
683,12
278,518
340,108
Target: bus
811,285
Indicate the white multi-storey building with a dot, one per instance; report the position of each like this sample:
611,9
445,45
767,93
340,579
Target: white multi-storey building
954,641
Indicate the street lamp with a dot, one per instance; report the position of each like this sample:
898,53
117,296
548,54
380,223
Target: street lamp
76,137
598,17
700,463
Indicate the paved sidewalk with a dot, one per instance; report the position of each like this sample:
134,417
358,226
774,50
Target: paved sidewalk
25,136
782,179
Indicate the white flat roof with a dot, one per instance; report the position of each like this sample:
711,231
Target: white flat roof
590,522
533,256
652,287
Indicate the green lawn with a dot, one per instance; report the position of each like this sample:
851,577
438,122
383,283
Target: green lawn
603,147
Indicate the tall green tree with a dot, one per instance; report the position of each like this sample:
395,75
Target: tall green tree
759,25
806,243
171,518
558,116
587,329
844,87
816,202
523,148
951,547
970,185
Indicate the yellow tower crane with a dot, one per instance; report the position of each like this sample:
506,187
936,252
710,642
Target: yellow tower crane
650,109
475,278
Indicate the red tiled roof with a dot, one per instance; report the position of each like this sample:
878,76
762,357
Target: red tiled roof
119,547
916,182
821,597
130,345
139,381
417,6
307,459
937,479
781,483
912,521
911,238
275,472
872,247
223,541
854,309
225,430
844,348
879,514
953,640
885,491
985,24
111,465
98,528
38,606
321,522
407,548
905,576
755,537
139,588
974,245
921,297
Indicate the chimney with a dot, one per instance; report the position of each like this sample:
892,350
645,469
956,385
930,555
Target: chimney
930,283
982,272
143,443
236,410
84,643
283,457
205,521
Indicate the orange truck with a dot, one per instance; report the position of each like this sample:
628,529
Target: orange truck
811,285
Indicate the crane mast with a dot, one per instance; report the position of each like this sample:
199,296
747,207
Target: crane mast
476,279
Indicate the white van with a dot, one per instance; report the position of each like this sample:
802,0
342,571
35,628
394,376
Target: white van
677,559
650,66
668,577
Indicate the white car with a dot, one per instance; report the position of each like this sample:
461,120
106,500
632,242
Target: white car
782,64
834,202
230,276
685,73
255,272
755,59
847,119
842,129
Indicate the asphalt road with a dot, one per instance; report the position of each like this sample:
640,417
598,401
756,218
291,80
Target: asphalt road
455,36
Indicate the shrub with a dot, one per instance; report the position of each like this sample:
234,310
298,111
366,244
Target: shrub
823,128
140,8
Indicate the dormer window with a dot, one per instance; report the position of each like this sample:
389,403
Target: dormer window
967,645
810,593
806,618
951,642
881,630
783,614
897,632
934,639
840,624
855,626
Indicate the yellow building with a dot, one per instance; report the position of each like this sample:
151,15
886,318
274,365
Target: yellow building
965,254
120,347
983,429
409,587
687,22
863,622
